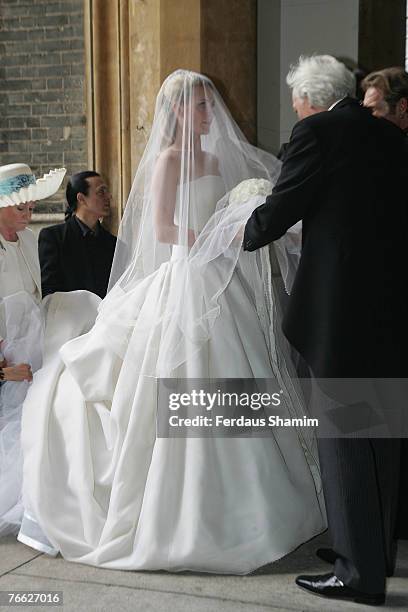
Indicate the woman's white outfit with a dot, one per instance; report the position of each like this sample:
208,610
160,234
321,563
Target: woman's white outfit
19,268
21,334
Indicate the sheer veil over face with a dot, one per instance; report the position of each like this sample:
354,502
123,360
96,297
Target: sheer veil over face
193,136
179,214
195,148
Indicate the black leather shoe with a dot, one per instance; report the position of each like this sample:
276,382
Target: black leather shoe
327,555
328,585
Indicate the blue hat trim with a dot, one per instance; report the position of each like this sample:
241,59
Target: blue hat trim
15,183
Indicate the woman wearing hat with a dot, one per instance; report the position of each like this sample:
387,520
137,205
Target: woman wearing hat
20,320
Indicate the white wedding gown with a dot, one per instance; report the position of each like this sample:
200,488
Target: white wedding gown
108,493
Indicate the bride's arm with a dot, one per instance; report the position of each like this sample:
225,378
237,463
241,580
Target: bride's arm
164,193
164,190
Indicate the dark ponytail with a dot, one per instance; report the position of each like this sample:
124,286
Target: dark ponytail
77,184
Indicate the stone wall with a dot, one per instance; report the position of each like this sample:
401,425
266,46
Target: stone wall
42,97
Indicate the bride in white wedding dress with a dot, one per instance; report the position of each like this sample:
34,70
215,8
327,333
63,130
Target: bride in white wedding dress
185,302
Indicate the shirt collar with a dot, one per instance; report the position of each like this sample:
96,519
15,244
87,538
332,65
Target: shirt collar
87,230
336,103
4,243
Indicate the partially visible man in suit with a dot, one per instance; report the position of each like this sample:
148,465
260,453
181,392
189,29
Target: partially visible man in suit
78,254
386,93
344,175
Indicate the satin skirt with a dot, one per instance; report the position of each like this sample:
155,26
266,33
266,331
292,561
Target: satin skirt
107,492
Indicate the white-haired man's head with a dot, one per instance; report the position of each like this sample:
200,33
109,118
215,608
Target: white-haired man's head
317,82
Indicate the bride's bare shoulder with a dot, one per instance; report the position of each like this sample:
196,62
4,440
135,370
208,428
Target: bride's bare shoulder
169,155
168,162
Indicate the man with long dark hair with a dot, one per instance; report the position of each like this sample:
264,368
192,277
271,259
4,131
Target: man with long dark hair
78,254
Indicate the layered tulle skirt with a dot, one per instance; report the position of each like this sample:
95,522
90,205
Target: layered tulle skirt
108,492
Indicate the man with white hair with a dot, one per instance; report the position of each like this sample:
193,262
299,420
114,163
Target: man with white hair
344,175
317,83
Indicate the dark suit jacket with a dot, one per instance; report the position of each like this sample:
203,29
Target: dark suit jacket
282,151
344,174
70,261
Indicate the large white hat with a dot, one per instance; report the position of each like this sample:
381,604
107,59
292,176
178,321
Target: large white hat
19,185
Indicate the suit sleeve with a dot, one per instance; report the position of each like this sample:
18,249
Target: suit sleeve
51,273
294,193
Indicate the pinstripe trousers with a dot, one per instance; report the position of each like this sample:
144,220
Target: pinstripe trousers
360,483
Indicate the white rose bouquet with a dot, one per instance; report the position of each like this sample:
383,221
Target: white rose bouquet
248,189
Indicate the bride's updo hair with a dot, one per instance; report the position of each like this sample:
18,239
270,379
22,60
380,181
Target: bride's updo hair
177,89
182,79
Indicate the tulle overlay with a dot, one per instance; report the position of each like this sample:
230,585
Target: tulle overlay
122,498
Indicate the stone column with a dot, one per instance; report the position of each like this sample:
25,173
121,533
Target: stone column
270,80
382,32
132,45
286,30
229,56
107,86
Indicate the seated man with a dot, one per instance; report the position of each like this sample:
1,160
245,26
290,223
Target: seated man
78,254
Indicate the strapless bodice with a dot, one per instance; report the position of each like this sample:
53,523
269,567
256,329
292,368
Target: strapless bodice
202,195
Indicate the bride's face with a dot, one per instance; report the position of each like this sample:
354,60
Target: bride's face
201,110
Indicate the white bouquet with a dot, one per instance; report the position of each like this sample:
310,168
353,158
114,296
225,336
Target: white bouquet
248,189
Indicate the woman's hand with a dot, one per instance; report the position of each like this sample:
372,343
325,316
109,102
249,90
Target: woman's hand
17,373
191,238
